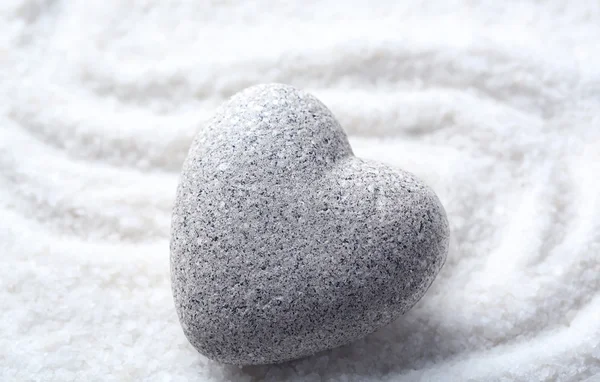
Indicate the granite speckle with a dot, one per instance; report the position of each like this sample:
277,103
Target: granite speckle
285,244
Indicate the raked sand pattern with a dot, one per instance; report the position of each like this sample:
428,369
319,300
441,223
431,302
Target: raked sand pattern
496,107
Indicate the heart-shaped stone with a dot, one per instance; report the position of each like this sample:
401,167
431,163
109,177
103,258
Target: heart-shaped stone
284,244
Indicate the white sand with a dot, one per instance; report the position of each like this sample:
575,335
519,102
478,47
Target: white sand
496,107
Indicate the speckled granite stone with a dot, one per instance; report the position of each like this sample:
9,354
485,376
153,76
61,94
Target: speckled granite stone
284,244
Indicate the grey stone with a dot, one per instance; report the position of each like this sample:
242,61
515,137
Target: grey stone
285,244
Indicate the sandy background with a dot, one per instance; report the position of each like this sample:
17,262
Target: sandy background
496,105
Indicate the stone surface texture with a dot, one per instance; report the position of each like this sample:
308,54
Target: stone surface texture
285,244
